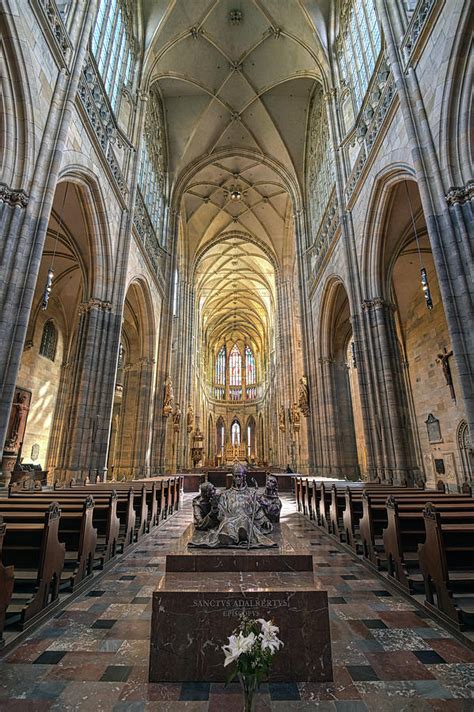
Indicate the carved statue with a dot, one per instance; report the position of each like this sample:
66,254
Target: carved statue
242,523
176,417
18,416
303,396
169,397
443,359
190,418
281,419
295,416
270,501
205,507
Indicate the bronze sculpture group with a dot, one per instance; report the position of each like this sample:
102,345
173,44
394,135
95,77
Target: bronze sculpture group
238,517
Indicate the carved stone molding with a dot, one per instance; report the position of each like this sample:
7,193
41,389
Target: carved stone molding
416,26
95,304
461,195
15,198
377,303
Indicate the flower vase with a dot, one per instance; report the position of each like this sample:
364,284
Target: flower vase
249,687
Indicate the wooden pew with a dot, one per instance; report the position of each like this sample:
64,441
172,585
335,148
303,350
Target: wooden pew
76,532
121,513
405,531
6,584
374,519
447,564
37,556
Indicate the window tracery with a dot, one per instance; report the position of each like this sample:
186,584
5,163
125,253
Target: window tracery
220,367
320,168
151,176
358,46
113,46
235,367
49,341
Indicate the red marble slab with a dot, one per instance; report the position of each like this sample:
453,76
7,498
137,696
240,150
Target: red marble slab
190,626
235,561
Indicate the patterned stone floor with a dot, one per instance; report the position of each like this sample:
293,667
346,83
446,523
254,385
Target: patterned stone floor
94,654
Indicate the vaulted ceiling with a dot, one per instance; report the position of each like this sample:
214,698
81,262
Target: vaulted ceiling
236,79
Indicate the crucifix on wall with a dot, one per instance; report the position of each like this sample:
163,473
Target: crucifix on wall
443,359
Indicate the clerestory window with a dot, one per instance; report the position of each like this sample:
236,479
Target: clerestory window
113,47
358,46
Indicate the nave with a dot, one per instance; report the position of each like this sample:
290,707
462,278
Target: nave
387,653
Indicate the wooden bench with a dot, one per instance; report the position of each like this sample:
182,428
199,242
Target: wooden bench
375,518
106,519
35,552
447,564
6,584
406,530
76,532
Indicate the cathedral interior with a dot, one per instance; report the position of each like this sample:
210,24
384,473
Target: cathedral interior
236,231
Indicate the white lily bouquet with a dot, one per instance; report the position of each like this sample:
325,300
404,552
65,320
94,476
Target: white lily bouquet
252,646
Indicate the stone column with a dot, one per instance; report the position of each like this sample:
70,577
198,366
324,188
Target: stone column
85,440
24,217
141,449
161,424
393,421
446,229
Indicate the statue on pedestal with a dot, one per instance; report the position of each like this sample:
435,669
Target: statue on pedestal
295,416
242,523
270,501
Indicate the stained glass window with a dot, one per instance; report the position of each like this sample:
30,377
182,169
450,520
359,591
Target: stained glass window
358,44
49,341
235,367
250,370
235,432
220,367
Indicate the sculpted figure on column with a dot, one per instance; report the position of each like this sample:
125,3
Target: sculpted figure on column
176,417
303,396
169,397
281,419
190,418
242,521
295,416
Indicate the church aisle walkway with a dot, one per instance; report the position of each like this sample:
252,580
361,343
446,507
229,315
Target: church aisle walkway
94,654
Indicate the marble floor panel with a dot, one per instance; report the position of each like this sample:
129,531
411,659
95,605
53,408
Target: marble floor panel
93,655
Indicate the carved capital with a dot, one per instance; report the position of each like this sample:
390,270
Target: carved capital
15,198
460,195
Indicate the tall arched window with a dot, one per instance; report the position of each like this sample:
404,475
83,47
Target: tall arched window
151,176
358,46
49,341
112,46
320,161
235,433
250,370
235,367
220,367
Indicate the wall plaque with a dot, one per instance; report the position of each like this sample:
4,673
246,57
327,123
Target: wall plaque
433,428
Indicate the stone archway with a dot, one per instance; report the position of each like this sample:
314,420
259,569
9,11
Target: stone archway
71,267
342,428
130,448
